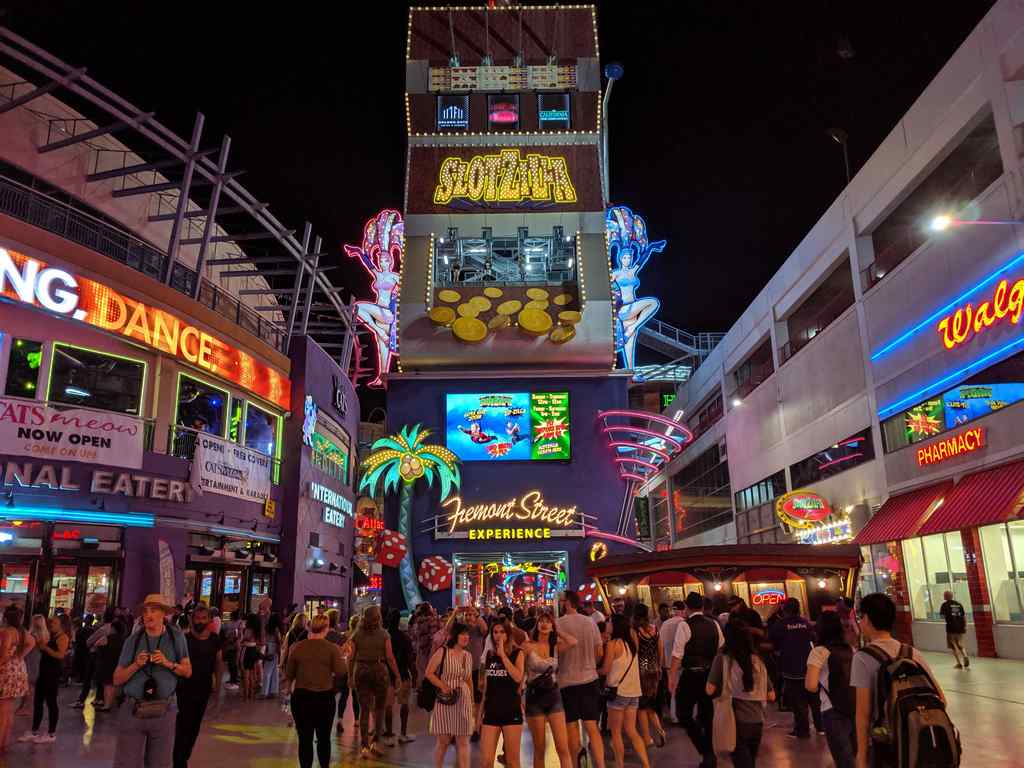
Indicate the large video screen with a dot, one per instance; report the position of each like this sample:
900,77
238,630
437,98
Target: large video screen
509,426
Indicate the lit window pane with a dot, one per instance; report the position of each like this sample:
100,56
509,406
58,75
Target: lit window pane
201,407
995,546
23,368
90,379
917,581
259,430
958,572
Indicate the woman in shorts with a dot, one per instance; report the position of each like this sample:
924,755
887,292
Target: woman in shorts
623,673
543,699
502,708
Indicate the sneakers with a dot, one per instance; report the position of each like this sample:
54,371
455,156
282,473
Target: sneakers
230,687
959,666
387,741
45,738
78,705
967,662
28,736
403,739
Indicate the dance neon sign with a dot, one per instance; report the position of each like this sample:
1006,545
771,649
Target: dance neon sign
35,283
504,178
959,444
958,327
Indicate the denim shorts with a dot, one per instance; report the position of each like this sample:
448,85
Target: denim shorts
624,702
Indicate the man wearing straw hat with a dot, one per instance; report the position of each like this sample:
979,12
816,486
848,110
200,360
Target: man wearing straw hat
151,662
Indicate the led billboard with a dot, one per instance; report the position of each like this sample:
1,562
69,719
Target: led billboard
509,426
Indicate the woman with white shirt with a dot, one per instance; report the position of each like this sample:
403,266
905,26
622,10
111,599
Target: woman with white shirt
838,699
622,672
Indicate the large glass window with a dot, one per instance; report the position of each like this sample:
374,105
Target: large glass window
935,565
201,406
332,448
762,492
259,429
23,368
452,112
98,582
96,380
837,458
553,111
917,580
503,112
1004,568
62,588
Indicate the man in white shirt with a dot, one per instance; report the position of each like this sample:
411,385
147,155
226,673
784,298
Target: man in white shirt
590,610
667,638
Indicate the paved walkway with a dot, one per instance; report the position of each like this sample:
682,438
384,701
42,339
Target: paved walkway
986,703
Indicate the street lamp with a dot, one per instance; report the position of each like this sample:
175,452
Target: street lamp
613,71
940,223
944,221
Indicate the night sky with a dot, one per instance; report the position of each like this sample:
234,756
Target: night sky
719,128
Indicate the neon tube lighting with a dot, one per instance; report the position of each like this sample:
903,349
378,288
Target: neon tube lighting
599,534
638,462
654,417
840,460
632,476
54,514
640,447
609,428
939,383
945,309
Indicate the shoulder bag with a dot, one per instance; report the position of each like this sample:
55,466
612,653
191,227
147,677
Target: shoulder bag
610,692
426,697
723,733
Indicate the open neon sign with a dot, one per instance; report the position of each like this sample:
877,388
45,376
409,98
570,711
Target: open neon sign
768,597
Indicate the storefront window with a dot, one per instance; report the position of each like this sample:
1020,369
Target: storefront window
259,429
97,589
232,600
23,368
14,580
935,565
96,380
957,570
881,565
917,581
1004,569
62,590
201,406
260,587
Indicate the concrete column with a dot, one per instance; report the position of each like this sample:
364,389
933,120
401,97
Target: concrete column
984,627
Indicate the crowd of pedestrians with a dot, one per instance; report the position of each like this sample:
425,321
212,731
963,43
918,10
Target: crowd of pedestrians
713,669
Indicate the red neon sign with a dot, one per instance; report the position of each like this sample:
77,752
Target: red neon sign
802,509
68,534
376,582
768,597
958,327
959,444
367,523
34,282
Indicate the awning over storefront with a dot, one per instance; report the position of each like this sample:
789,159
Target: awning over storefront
982,498
901,516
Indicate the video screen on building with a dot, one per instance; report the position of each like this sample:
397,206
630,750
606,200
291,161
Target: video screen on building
509,426
503,112
452,112
553,111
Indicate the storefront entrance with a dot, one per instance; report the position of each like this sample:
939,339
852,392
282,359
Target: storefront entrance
237,591
509,578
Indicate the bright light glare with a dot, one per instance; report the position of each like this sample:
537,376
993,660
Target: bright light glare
940,223
622,590
736,402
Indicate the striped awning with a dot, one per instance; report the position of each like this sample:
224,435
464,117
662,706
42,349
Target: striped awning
901,516
991,496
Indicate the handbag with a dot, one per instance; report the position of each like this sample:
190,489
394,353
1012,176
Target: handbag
610,692
723,733
427,695
147,710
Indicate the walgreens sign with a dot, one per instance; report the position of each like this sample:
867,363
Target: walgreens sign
30,281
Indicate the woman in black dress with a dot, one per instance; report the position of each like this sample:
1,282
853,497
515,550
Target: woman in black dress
502,708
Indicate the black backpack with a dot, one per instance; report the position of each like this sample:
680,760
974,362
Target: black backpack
911,725
839,691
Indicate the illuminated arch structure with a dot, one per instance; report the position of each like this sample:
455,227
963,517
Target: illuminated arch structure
642,444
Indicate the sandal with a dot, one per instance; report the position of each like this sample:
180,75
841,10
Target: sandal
660,738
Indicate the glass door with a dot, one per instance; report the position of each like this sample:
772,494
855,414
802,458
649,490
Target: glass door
261,587
62,588
99,581
232,598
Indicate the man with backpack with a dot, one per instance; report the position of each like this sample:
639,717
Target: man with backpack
901,710
792,638
956,626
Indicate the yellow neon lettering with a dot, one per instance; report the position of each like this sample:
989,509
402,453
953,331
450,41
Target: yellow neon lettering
190,331
505,177
959,326
138,324
169,332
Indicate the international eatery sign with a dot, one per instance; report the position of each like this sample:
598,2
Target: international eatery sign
529,517
31,428
33,282
802,509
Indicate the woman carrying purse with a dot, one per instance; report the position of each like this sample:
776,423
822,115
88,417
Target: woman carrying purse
620,667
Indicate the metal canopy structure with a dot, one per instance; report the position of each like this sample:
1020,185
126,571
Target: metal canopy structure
308,303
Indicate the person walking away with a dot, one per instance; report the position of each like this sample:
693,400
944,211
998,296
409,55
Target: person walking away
272,639
577,677
738,668
345,685
422,629
152,662
622,672
667,637
450,669
195,692
97,641
878,738
956,626
41,636
694,648
477,636
649,661
828,677
401,687
84,659
501,712
312,668
15,644
108,651
250,653
52,651
372,657
229,648
792,637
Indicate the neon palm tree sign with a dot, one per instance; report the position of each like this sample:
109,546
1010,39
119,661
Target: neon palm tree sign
403,459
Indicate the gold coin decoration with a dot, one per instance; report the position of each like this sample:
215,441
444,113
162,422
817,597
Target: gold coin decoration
492,293
468,310
469,330
569,317
537,294
498,322
536,304
535,322
509,307
563,299
561,334
442,315
482,304
449,297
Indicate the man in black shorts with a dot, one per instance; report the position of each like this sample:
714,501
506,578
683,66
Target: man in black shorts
577,677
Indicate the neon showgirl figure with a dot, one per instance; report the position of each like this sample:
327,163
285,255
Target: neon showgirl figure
380,254
629,250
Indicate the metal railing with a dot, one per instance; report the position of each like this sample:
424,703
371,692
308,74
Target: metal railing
827,315
756,376
181,443
75,225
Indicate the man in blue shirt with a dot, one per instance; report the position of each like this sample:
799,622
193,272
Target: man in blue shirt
152,660
792,637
